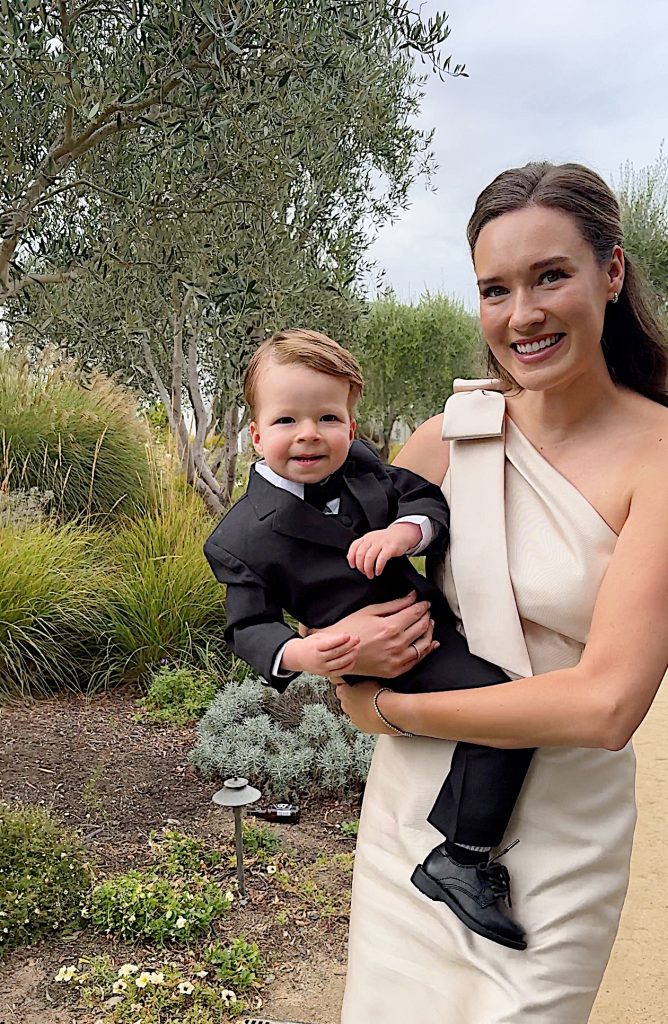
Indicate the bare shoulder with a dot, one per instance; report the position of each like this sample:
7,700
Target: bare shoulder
426,452
650,442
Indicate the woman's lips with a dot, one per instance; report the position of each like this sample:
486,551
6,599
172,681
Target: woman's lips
542,354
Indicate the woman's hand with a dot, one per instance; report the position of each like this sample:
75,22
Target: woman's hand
357,703
393,636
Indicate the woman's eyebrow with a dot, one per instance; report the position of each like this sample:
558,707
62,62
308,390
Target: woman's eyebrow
484,282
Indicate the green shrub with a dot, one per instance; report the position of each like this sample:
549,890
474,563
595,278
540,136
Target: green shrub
44,876
50,577
260,841
141,994
85,444
240,963
159,599
178,854
350,829
247,731
174,900
178,695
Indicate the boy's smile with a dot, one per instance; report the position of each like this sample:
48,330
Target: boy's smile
303,426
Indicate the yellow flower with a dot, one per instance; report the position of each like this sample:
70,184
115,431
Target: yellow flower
66,973
126,969
143,980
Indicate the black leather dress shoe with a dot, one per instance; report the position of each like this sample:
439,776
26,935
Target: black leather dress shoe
476,893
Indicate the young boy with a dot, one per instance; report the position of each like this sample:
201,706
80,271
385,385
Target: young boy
323,530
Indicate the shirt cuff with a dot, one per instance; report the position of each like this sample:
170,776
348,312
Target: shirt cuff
276,669
426,528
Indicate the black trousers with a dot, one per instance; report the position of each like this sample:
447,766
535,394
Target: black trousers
478,796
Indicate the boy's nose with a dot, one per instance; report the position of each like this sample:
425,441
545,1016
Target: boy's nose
308,430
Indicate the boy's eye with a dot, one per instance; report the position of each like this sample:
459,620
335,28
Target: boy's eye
329,417
285,419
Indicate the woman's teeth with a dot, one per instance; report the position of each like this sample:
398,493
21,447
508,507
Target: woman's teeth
537,346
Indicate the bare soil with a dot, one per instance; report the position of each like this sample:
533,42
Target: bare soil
117,779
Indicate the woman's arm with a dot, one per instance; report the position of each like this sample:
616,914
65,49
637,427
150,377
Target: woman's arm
425,451
598,703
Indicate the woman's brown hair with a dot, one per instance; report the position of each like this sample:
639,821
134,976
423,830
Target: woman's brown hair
634,343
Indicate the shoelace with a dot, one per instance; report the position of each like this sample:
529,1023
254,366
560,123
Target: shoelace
497,876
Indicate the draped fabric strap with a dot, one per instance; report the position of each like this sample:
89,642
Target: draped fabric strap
474,424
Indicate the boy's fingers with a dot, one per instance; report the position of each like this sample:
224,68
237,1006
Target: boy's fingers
329,641
344,649
341,664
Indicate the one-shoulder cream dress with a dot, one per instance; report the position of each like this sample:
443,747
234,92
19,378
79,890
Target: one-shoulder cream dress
527,555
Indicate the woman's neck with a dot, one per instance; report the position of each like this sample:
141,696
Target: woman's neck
566,411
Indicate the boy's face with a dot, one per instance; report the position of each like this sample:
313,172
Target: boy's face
302,426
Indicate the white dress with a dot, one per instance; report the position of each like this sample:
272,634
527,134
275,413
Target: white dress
540,550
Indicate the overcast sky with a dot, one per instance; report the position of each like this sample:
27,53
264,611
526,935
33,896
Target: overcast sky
583,80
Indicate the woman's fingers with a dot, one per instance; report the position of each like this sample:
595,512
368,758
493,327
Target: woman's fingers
392,607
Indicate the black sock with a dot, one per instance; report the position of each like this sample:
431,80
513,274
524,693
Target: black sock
462,855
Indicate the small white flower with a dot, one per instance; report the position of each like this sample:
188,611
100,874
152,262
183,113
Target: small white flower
201,974
229,896
156,978
66,973
271,869
228,996
181,922
169,914
143,980
126,969
119,986
186,987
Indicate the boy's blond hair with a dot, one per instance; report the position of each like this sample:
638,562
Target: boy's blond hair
304,348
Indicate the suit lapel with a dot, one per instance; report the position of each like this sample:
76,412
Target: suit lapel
370,494
294,517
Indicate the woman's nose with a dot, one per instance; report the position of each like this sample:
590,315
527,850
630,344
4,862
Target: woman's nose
526,312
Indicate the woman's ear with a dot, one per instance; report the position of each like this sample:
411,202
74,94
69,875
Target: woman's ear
616,271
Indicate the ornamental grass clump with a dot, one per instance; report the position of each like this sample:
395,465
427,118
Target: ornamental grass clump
85,444
50,577
288,745
159,599
45,877
174,900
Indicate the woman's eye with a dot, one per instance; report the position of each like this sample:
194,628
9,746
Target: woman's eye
550,276
494,291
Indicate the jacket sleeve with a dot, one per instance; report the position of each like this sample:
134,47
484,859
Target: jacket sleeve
255,627
418,497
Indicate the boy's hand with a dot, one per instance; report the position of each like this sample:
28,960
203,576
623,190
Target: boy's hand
371,553
323,654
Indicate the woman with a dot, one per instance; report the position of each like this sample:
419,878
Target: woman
558,569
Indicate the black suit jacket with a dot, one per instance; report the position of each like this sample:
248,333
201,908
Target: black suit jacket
275,552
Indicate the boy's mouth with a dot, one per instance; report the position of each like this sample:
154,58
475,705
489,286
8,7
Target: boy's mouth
307,460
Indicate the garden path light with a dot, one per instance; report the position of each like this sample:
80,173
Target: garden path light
236,793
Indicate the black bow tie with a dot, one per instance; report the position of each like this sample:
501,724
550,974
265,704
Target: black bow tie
319,495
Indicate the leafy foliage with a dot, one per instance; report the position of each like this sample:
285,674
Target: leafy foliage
180,184
84,445
164,995
643,199
260,841
410,355
172,901
241,734
44,876
178,695
239,964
